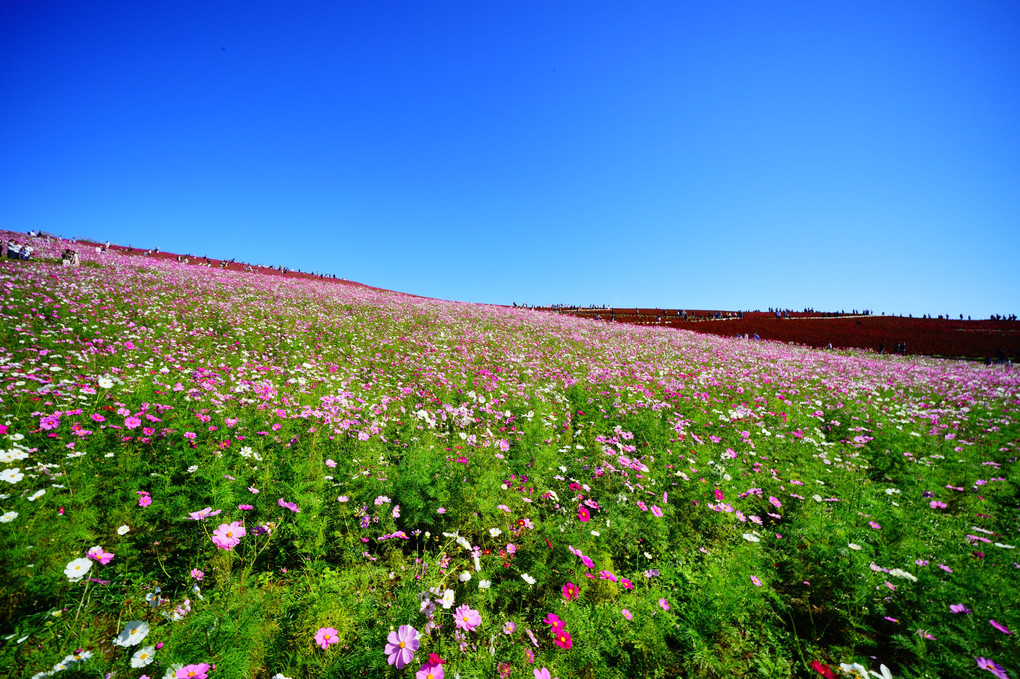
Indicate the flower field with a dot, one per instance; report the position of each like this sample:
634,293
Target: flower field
206,472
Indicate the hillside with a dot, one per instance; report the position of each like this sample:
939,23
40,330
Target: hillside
237,474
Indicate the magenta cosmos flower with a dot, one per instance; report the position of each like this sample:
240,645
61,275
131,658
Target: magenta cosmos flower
97,554
993,667
466,618
999,626
228,535
401,646
561,638
570,591
583,514
326,636
554,621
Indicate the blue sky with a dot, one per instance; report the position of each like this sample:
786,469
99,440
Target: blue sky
731,155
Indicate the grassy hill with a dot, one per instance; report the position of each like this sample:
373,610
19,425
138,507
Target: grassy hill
232,474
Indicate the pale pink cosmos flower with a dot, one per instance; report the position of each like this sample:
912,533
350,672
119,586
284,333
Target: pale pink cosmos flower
330,463
467,618
132,422
144,500
656,511
228,535
203,514
197,574
430,670
756,581
627,614
199,671
401,646
664,604
326,636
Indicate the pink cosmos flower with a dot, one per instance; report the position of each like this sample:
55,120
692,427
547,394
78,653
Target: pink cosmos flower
756,581
202,514
999,626
607,575
664,604
197,574
642,506
626,583
228,535
587,561
937,504
198,671
562,638
132,422
326,636
583,514
96,417
542,673
330,463
253,490
430,671
570,591
245,508
656,511
401,646
466,618
992,666
97,554
288,505
511,548
627,614
144,500
554,621
874,525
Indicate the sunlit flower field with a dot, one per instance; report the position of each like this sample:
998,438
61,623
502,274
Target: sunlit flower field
210,473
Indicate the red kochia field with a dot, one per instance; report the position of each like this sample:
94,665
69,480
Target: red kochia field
928,336
925,336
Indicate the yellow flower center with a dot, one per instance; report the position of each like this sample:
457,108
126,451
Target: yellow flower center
401,644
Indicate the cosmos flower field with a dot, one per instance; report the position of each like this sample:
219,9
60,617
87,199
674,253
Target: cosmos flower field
212,473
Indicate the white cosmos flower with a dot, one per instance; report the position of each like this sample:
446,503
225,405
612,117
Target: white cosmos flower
751,537
528,579
123,530
465,576
143,656
854,546
133,633
484,584
12,475
105,382
8,517
494,532
36,495
77,569
899,573
447,600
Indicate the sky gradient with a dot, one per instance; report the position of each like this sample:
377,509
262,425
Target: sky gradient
703,155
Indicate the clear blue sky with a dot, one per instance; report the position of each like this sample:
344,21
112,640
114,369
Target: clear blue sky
681,154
